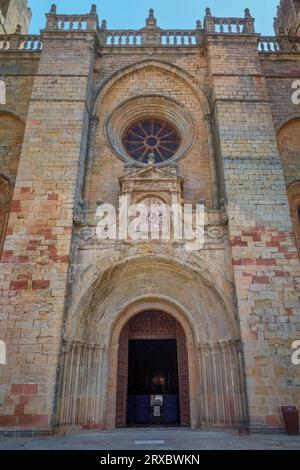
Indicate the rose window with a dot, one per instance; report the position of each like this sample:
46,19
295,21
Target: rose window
151,137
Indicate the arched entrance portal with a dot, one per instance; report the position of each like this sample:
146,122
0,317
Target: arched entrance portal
93,388
153,375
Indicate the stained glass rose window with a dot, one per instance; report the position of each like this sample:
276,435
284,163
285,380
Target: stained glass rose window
151,136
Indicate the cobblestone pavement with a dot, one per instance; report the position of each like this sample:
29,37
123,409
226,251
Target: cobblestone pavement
154,439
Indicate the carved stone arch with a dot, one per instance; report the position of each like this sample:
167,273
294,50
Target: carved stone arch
286,119
185,335
13,113
93,333
198,88
152,196
294,200
12,129
288,141
96,278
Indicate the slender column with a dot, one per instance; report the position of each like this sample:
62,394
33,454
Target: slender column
93,124
222,384
82,385
215,178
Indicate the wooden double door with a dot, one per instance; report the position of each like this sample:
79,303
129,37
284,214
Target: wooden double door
153,380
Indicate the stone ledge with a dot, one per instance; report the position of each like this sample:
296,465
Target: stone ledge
19,433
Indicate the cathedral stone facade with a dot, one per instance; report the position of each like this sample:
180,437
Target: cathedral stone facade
13,13
101,333
288,18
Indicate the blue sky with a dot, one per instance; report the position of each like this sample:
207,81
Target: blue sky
122,14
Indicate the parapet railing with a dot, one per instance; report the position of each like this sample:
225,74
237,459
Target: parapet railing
121,38
71,23
271,44
140,37
112,38
20,42
63,22
60,22
230,26
215,25
150,35
181,37
33,42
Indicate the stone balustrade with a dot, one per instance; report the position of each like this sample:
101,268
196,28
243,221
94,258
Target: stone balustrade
271,44
61,22
181,37
121,38
71,22
138,38
229,25
216,25
150,35
20,42
33,42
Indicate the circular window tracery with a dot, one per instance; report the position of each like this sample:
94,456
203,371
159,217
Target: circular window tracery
151,136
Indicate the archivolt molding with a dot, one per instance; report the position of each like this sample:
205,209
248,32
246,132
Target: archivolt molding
294,190
197,87
5,110
207,268
98,280
151,302
285,120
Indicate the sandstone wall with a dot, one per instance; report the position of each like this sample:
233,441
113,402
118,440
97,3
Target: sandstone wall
35,259
265,258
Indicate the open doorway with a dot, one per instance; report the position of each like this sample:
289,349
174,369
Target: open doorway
153,384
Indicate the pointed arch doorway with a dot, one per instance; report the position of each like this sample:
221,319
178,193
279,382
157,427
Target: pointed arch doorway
153,372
